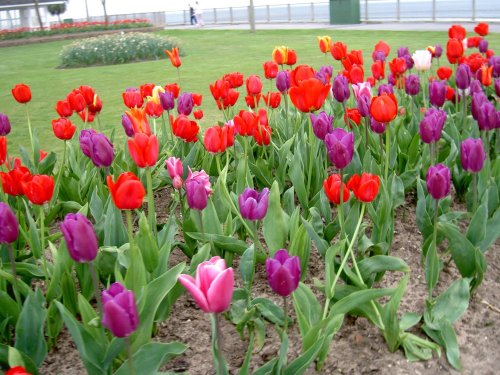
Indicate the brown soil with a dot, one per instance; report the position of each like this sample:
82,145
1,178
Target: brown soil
358,348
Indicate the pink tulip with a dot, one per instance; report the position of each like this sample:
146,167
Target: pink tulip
213,287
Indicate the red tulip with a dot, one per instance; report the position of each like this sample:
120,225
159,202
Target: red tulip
146,90
485,75
88,94
309,95
217,138
86,115
355,56
38,188
17,370
139,121
444,72
397,66
291,57
127,192
172,87
272,99
331,187
132,98
325,43
454,50
382,46
154,109
473,41
3,150
378,70
63,108
235,79
174,57
301,73
245,122
22,93
197,98
63,128
353,115
356,74
198,114
482,29
76,100
364,187
184,128
11,181
384,108
338,51
270,69
143,149
457,32
253,100
254,85
262,132
280,55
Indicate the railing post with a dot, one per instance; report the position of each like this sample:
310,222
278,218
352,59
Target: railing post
268,11
215,15
473,10
289,13
366,10
433,10
398,10
184,16
312,12
231,15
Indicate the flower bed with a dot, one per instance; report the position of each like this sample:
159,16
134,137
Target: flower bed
314,171
72,28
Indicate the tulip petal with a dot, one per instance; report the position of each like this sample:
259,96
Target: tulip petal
190,284
221,291
116,319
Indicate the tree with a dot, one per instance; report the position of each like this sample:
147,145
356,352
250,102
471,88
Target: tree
105,14
57,10
37,8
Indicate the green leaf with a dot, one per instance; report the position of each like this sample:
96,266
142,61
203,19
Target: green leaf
301,363
10,308
30,337
88,315
297,176
390,316
330,272
91,351
114,233
269,310
432,268
247,266
275,226
381,263
147,244
492,231
320,243
268,368
150,357
307,308
397,191
224,242
462,250
282,354
11,357
201,256
358,298
449,305
477,227
450,343
300,245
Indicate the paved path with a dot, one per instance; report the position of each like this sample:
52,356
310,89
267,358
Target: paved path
394,26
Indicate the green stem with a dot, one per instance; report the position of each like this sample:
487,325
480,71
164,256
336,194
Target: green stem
341,206
86,117
217,161
432,147
311,157
246,158
464,114
455,66
200,217
474,192
434,233
130,356
42,243
95,282
346,118
30,133
130,233
179,77
285,311
151,202
59,175
217,344
286,116
367,125
14,274
347,254
387,151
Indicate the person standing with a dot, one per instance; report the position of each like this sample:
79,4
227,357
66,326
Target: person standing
199,15
192,15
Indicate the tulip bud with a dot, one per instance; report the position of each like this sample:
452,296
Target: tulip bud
476,87
80,237
97,147
21,93
432,125
253,205
8,223
283,80
331,187
438,181
167,100
487,116
364,187
185,103
5,124
175,170
340,147
412,84
197,189
494,61
438,50
472,155
483,46
213,287
127,126
422,60
463,76
385,89
17,370
283,273
340,88
119,310
437,93
321,124
377,126
497,87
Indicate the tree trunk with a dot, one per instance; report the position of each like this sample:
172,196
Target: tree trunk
251,16
105,13
37,8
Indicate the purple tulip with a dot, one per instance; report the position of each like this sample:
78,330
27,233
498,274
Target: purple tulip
4,125
472,155
119,310
483,46
253,205
438,181
432,124
327,69
379,56
494,61
376,126
476,102
340,88
363,105
385,88
438,50
437,93
324,78
127,126
475,87
197,189
80,237
321,124
403,51
97,147
8,223
487,116
340,147
463,76
391,81
283,273
283,81
185,103
213,287
497,87
167,100
412,85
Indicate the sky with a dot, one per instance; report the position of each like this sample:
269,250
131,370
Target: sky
76,8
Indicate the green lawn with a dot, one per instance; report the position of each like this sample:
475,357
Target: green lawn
208,55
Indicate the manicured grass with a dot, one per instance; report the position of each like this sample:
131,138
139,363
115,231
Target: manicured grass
208,55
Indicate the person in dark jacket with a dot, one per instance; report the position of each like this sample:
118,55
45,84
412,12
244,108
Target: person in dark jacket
192,16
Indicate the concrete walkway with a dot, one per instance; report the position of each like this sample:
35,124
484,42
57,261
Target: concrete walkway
391,26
